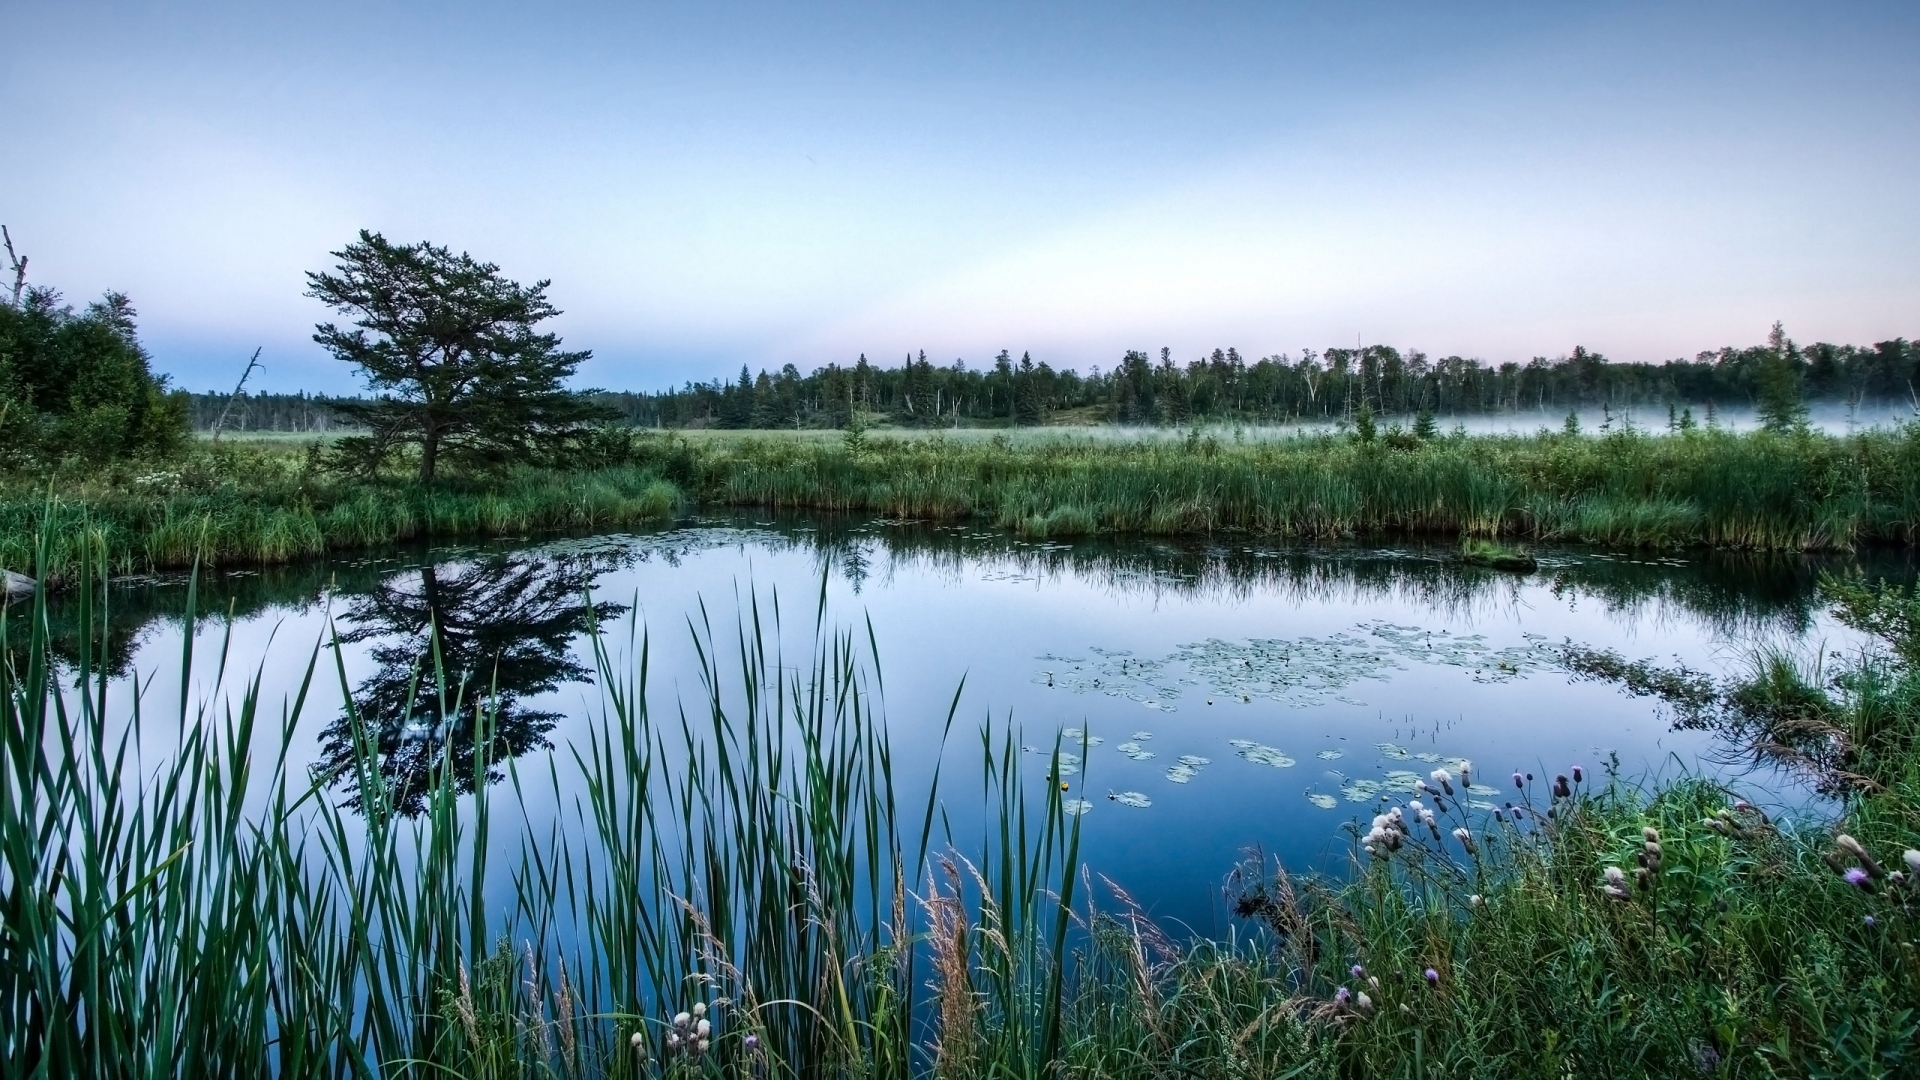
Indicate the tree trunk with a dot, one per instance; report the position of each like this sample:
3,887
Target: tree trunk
429,451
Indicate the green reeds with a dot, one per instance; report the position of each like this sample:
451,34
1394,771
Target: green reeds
1717,489
747,860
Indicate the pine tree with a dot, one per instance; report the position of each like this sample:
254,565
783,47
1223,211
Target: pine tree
449,347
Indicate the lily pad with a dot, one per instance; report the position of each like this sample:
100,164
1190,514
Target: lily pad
1075,807
1324,802
1261,754
1134,751
1330,755
1132,798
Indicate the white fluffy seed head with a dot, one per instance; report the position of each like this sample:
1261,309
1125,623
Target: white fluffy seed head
1616,876
682,1019
637,1041
699,1008
703,1029
1913,860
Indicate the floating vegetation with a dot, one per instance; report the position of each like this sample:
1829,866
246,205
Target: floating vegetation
1075,807
1130,798
1115,673
1133,750
1080,736
1142,736
1481,804
1432,757
1483,790
1069,764
1324,802
1330,755
1187,768
1401,780
1298,672
1260,754
1361,790
1397,753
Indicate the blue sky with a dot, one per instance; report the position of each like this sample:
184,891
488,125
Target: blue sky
715,184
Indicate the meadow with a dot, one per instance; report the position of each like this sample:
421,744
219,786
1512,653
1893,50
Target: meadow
738,891
269,501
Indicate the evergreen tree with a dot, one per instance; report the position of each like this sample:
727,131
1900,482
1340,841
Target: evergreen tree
79,383
448,346
1424,426
1777,386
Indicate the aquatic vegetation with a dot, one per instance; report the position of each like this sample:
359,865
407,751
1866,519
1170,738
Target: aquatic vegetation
1330,755
1131,798
1135,751
1324,802
1260,754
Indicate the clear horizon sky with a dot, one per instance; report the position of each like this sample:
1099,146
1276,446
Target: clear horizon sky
717,184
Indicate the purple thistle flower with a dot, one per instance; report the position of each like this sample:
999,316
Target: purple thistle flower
752,1042
1433,977
1357,971
1518,781
1342,996
1870,921
1577,774
1858,878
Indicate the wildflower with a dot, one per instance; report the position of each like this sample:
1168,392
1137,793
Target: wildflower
1518,782
1433,977
673,1040
1912,858
1577,775
1650,834
1466,774
1856,849
637,1042
1416,806
699,1008
752,1042
1616,885
701,1046
681,1020
703,1029
1362,1002
1444,779
1560,788
1497,815
1859,878
1475,900
1870,921
1421,786
1465,836
1357,971
1341,997
1373,981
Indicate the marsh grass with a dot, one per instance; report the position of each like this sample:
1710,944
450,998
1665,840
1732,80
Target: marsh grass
1756,491
253,505
213,914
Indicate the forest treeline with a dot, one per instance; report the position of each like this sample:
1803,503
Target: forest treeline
1222,387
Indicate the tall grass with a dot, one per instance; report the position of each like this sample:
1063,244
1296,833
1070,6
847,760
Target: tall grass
1800,492
232,505
214,914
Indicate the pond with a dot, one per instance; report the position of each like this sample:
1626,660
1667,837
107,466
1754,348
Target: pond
1210,696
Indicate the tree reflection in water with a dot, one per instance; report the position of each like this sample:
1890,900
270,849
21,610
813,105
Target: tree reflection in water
503,626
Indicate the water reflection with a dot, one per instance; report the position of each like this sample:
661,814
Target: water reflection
509,616
449,640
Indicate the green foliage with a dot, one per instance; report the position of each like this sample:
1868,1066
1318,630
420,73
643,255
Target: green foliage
78,385
1364,428
1631,489
449,347
1424,426
1777,385
219,915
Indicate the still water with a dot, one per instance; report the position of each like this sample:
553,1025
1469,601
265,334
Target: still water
1215,696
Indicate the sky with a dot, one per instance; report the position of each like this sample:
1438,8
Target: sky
717,184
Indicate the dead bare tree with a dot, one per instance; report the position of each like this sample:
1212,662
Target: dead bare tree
18,265
221,420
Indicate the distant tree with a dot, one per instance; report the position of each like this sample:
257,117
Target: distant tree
1777,385
79,384
1364,428
1424,426
448,345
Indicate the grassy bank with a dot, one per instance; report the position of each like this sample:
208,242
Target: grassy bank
1718,489
209,913
262,504
266,502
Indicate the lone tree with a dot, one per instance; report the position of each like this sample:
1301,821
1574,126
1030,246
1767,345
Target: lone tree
448,346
